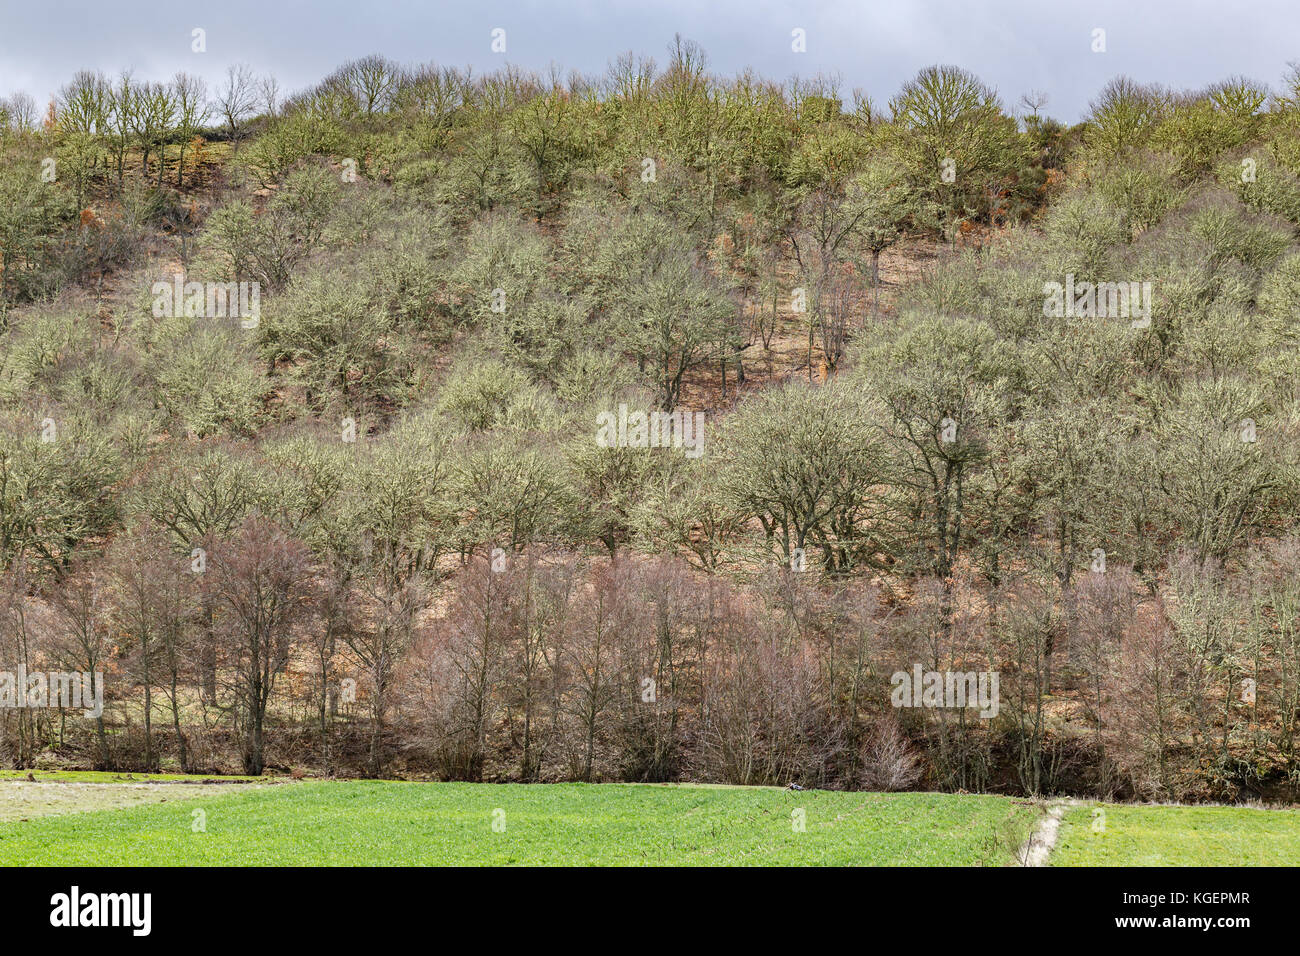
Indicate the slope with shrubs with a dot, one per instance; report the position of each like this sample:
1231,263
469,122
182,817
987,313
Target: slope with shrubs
373,530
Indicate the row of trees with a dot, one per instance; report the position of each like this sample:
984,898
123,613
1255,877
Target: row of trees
512,139
95,120
645,669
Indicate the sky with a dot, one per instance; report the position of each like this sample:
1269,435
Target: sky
874,45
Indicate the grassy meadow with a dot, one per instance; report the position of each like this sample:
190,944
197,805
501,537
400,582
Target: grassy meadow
1131,835
367,823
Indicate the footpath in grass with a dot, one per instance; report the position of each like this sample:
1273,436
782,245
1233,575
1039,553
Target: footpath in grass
26,794
113,776
1128,835
22,801
384,823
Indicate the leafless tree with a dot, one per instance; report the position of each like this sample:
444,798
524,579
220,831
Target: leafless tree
21,110
83,623
192,112
237,98
261,581
268,91
589,658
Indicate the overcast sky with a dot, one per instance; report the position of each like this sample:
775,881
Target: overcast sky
1015,45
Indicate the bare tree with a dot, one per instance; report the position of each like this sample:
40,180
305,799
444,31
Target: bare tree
889,762
373,80
192,113
237,98
119,113
380,633
21,110
1033,102
82,607
589,655
262,585
152,113
153,602
268,93
474,634
20,643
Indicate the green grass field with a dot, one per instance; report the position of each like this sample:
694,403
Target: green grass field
385,823
84,818
1179,836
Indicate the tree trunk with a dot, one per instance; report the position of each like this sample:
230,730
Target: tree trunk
181,743
208,656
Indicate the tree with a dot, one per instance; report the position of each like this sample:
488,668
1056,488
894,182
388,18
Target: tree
589,655
538,629
55,495
152,113
121,110
200,499
268,246
1069,467
374,81
543,128
512,492
260,582
268,91
820,234
836,218
474,633
805,461
1223,466
83,109
886,202
20,112
608,482
672,319
949,132
23,638
152,588
680,507
236,99
397,520
190,94
341,340
82,609
33,218
943,385
1123,116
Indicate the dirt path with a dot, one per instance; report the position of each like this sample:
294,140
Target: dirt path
1036,850
21,800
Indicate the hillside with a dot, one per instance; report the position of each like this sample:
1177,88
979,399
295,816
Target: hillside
657,426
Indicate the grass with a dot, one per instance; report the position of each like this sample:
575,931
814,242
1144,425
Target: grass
1179,836
385,823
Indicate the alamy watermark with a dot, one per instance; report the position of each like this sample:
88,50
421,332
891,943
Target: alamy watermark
75,908
1101,300
656,429
209,300
949,689
68,689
